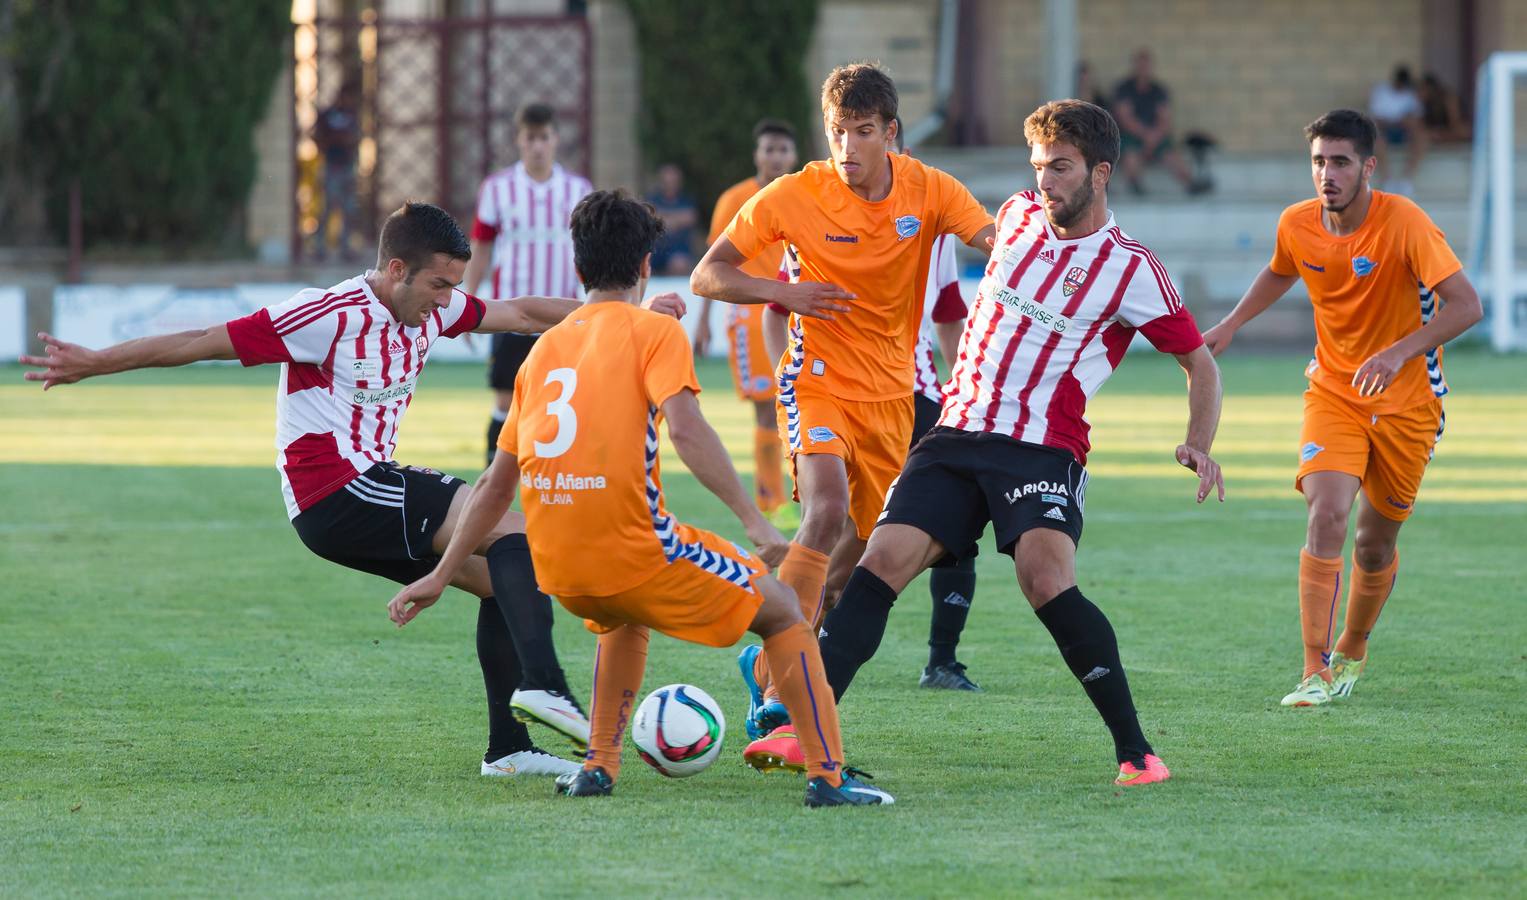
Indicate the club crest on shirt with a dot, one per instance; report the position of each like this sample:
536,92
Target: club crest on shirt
821,434
1309,451
1362,265
907,226
1074,279
421,343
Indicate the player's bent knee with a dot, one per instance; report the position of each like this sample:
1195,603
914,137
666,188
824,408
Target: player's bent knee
780,608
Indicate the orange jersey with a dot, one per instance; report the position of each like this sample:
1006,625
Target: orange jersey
1369,289
766,263
583,426
879,252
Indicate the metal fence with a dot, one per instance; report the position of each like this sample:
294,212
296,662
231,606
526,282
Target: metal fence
436,103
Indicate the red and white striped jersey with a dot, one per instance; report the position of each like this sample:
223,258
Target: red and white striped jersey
941,303
348,371
1052,320
527,221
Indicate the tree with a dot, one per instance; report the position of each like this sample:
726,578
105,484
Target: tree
710,71
151,105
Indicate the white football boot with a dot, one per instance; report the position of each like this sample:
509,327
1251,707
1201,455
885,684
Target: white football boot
558,712
533,761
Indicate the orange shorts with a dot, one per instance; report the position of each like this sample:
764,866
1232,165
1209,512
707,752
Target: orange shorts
1387,453
870,436
706,594
751,370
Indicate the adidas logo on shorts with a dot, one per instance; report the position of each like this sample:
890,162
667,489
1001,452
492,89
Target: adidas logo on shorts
1055,514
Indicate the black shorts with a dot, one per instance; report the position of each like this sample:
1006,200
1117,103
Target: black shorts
956,481
925,413
509,352
383,522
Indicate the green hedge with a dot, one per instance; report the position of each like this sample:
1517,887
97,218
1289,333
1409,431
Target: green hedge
710,71
152,105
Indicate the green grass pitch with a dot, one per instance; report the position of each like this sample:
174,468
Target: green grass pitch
194,705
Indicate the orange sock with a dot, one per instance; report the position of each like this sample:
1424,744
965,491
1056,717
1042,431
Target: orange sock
1319,588
1365,600
805,570
620,659
768,471
803,684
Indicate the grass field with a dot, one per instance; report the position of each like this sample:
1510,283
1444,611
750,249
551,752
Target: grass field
194,705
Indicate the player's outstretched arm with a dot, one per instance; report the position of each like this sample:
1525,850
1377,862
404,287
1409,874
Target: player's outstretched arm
1204,397
1461,310
1265,290
524,315
66,363
486,506
700,448
718,276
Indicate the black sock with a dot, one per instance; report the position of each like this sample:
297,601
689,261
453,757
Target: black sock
852,631
1087,643
495,425
500,675
527,612
953,588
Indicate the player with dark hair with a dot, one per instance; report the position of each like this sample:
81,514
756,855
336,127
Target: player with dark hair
582,438
1063,295
521,230
1374,265
350,360
752,365
860,229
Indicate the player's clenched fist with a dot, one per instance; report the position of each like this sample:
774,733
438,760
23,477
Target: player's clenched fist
813,299
1209,475
770,543
669,304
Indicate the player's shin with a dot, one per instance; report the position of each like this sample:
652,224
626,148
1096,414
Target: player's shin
528,612
1319,590
797,665
500,675
620,659
852,631
1366,596
1090,649
805,571
953,588
768,469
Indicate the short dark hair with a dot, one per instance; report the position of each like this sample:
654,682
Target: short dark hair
535,115
773,126
415,232
1086,126
860,89
1347,125
611,234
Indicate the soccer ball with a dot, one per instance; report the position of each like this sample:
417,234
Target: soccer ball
678,730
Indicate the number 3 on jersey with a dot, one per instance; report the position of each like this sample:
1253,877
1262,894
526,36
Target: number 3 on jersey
562,410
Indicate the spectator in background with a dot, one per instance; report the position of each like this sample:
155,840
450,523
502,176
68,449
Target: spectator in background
1442,111
337,132
1086,88
1143,108
1396,108
674,253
